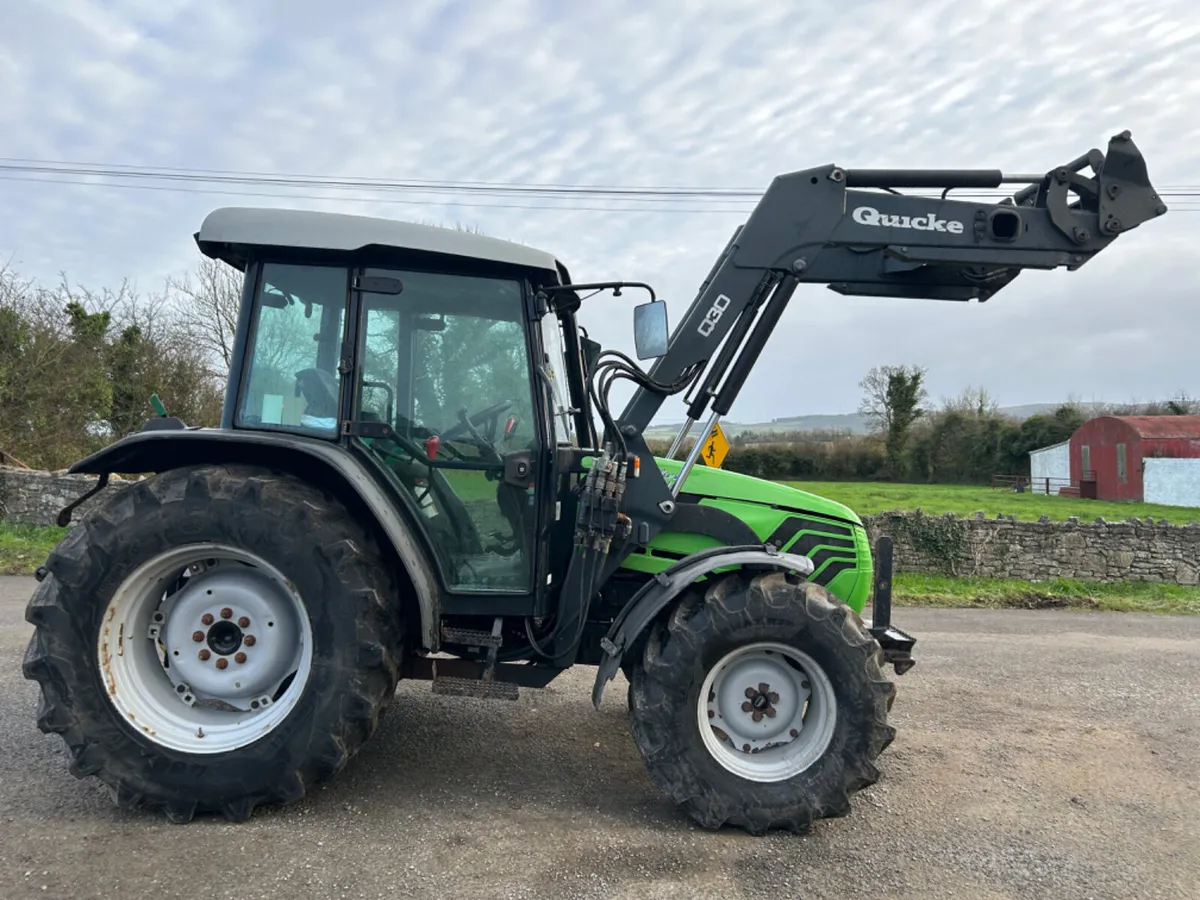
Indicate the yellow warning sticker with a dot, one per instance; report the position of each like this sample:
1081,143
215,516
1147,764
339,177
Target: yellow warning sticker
716,445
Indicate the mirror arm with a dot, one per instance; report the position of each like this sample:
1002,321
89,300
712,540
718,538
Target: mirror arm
547,291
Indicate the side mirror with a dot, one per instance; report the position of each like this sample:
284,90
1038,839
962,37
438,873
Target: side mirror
650,330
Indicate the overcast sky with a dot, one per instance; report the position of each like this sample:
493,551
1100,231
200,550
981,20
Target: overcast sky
687,93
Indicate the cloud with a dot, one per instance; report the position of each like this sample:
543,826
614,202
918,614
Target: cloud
725,94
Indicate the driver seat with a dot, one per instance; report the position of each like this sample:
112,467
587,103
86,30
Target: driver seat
320,391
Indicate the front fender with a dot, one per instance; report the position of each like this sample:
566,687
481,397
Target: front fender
659,591
325,464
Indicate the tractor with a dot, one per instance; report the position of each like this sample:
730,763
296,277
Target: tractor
418,474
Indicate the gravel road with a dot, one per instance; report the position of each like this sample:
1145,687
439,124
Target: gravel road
1040,754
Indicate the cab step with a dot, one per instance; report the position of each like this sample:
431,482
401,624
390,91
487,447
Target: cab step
475,687
470,637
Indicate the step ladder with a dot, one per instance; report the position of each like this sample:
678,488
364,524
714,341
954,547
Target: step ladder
485,687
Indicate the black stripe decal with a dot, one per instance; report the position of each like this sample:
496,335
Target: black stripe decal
822,556
837,535
832,571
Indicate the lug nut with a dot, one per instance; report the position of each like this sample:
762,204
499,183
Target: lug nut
226,613
243,622
750,693
746,747
794,733
204,655
756,716
197,636
248,640
711,714
239,657
207,618
222,663
747,707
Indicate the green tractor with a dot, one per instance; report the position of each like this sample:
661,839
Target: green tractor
418,475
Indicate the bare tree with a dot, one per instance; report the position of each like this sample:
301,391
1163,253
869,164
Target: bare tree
973,401
208,301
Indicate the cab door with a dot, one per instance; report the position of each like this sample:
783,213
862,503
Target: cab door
444,361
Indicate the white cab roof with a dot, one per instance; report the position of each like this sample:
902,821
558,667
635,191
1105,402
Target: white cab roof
228,232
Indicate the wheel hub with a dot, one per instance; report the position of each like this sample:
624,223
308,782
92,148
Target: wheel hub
231,635
767,711
224,638
156,656
760,702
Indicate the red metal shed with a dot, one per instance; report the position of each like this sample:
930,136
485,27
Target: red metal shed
1107,451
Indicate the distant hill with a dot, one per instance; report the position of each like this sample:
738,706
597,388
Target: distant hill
851,422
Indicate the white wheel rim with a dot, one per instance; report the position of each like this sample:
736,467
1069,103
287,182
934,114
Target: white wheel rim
766,712
212,665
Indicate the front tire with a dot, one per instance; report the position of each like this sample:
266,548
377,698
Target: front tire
214,639
761,703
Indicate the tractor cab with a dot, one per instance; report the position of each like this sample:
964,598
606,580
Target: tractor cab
425,351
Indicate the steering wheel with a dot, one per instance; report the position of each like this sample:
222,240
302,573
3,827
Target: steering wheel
469,424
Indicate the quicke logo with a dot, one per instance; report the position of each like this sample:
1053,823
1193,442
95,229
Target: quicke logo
866,215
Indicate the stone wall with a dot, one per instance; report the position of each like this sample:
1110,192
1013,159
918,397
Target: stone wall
35,498
1131,550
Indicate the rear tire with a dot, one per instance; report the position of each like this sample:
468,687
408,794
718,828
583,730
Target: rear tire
795,751
275,556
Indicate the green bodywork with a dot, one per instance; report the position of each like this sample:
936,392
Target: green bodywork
830,534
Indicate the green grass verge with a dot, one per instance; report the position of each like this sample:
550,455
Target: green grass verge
866,498
1001,593
24,547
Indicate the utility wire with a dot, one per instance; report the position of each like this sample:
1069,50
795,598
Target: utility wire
344,199
701,200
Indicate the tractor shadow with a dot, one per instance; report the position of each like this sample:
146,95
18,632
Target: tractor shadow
550,750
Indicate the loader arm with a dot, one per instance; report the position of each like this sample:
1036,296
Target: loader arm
852,230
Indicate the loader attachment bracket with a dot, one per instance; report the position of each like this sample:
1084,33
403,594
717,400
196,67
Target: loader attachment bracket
897,646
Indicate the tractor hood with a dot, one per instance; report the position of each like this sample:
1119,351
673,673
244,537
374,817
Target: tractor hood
720,484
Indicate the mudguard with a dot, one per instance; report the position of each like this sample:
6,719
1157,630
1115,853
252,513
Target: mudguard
325,464
659,591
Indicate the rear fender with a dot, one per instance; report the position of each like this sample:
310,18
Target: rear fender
654,596
324,464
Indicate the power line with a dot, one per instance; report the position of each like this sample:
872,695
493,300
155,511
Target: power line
702,200
110,170
343,199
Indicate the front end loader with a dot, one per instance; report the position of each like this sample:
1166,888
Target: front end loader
418,475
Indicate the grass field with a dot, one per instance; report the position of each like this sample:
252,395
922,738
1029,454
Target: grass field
910,589
24,547
964,500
